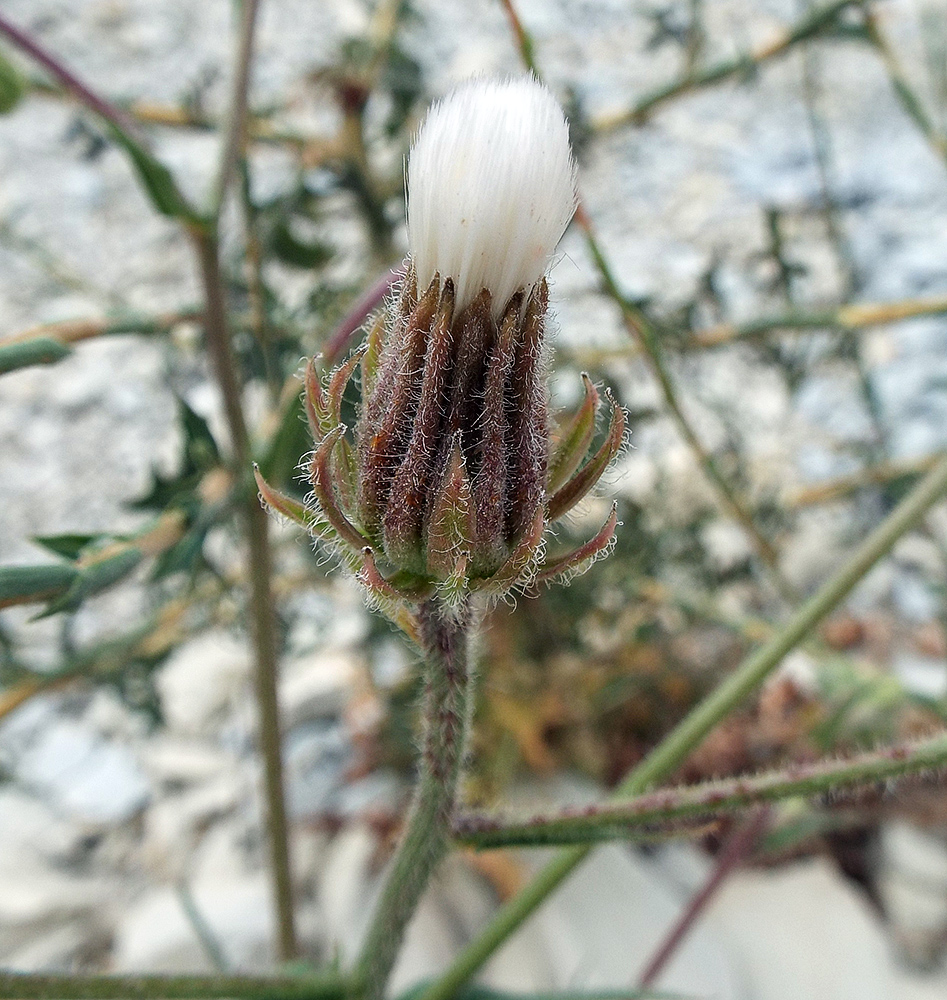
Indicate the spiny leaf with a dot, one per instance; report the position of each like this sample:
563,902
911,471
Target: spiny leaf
67,546
579,485
95,577
325,492
578,561
576,437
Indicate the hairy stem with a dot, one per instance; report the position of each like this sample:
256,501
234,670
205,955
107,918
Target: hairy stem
697,803
691,732
25,986
446,712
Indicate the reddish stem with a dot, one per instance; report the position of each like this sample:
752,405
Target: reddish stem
67,78
734,851
342,335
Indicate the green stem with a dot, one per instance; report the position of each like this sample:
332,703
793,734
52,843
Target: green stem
812,24
22,986
691,732
908,99
621,821
235,136
446,711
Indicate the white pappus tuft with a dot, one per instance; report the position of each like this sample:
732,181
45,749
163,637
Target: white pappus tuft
491,188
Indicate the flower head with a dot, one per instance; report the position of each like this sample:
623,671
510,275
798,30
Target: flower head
454,469
491,188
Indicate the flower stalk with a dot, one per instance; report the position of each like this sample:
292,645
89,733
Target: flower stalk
446,712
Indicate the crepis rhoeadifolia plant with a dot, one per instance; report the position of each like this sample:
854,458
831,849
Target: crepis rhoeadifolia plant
454,470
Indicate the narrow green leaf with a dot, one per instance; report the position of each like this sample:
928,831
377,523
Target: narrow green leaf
36,351
94,578
12,85
67,546
31,584
157,180
288,248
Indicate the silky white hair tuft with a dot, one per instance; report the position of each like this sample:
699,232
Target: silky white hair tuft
491,188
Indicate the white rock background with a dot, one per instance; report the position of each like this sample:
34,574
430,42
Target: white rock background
104,821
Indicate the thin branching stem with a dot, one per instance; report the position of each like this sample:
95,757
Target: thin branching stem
647,339
817,22
71,331
260,562
235,137
66,78
262,608
690,733
855,316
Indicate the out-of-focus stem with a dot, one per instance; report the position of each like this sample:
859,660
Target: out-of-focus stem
810,26
341,337
262,609
903,90
739,845
66,78
235,137
647,339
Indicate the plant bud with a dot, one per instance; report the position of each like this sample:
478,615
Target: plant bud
453,471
